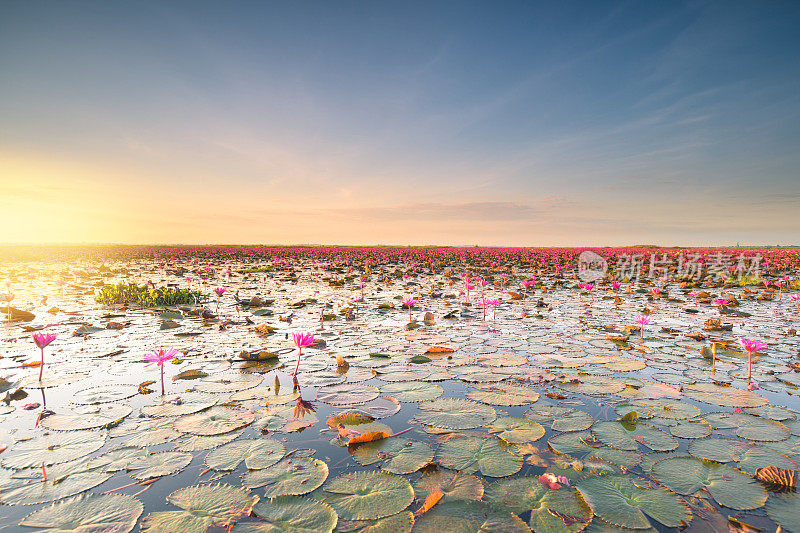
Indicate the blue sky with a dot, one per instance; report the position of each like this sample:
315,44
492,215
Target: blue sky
503,123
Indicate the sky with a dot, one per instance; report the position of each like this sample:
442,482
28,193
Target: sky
451,123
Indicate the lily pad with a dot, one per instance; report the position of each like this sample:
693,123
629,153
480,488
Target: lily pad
413,391
256,453
52,449
110,513
469,516
293,476
455,414
394,454
472,454
215,421
367,495
290,514
628,436
557,511
452,485
203,506
619,501
728,486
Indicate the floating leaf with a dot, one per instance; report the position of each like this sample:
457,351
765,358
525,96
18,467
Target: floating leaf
290,514
453,485
619,501
395,454
628,436
52,449
413,391
750,457
472,454
560,418
204,506
575,444
289,476
367,495
110,513
516,430
347,394
557,511
503,394
455,414
87,417
785,510
726,396
469,516
215,421
180,404
38,491
728,486
159,464
256,453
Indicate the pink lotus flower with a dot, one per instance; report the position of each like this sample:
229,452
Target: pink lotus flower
301,340
656,291
720,301
695,294
220,291
616,286
642,320
751,347
737,410
410,303
159,357
42,340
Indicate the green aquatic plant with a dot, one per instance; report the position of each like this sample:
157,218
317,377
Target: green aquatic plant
144,296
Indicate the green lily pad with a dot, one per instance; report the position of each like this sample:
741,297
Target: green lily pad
110,513
516,430
204,506
625,436
215,421
557,511
413,391
256,453
590,384
560,418
785,510
576,445
291,476
503,394
347,394
467,517
394,454
749,456
38,491
159,464
749,427
619,501
728,486
52,449
455,414
472,454
290,514
185,403
367,495
714,394
87,417
453,485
